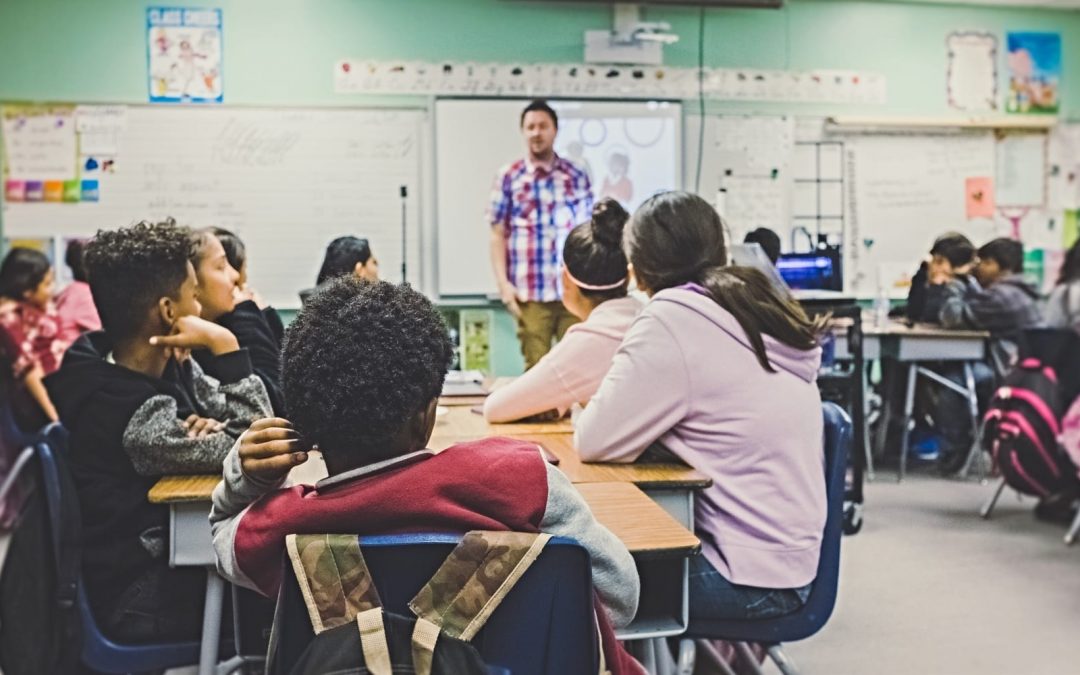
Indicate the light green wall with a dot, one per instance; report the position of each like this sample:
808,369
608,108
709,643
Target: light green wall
281,52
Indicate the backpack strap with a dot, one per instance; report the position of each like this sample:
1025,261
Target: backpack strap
373,641
465,590
334,579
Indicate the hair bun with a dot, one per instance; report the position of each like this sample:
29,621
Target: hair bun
608,220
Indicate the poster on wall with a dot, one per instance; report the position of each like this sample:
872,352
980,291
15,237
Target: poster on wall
1034,61
971,80
184,55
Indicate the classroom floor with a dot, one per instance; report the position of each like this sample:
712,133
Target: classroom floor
929,588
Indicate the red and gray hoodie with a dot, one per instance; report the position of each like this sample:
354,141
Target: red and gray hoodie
490,484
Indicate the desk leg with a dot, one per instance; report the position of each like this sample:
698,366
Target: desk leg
865,383
211,631
909,408
973,408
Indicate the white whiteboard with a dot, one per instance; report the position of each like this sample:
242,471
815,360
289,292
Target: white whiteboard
474,138
286,180
904,191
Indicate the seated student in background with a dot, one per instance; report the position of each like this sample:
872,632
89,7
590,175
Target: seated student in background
371,412
31,333
1001,302
768,240
720,369
951,258
75,304
1063,307
137,410
236,254
346,255
594,281
219,296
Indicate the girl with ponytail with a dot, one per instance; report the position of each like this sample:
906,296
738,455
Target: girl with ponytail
595,281
720,370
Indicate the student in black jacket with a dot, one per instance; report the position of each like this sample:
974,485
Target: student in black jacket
219,295
951,258
138,409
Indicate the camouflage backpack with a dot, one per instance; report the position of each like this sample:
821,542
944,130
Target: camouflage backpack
353,634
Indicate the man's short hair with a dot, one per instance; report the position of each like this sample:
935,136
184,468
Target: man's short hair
360,360
542,106
132,268
1008,253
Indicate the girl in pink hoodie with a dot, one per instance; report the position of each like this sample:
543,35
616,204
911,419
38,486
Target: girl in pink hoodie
720,369
594,280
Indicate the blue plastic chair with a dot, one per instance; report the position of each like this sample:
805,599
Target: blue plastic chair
545,625
98,652
819,606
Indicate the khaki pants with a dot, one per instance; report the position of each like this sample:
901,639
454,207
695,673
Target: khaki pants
539,323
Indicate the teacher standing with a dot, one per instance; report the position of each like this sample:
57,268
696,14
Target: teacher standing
534,205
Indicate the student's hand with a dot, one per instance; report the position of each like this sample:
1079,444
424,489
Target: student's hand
192,332
939,271
244,293
509,298
201,427
270,448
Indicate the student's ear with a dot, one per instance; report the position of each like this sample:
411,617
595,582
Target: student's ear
358,270
423,424
167,311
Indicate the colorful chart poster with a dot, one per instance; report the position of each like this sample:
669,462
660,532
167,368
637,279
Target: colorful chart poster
184,55
1034,61
39,142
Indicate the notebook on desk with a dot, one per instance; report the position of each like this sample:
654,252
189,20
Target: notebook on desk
464,383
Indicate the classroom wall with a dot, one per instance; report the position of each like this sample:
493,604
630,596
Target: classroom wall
281,52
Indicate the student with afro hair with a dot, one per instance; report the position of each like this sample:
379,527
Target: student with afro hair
363,365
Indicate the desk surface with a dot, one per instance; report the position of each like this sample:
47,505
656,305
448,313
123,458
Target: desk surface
461,423
629,513
645,476
901,329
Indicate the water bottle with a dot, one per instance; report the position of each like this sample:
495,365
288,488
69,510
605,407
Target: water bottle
881,309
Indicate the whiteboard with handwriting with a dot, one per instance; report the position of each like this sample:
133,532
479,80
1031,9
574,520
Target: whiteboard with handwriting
286,180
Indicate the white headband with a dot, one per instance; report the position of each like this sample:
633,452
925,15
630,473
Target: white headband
594,287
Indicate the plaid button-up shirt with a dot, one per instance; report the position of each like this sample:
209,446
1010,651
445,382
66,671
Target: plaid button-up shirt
538,206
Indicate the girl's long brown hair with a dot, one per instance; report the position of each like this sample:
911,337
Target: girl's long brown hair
676,238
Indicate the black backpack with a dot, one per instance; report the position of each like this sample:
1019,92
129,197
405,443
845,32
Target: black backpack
1022,427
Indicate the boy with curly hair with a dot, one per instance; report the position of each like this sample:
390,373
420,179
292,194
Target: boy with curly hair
363,365
138,408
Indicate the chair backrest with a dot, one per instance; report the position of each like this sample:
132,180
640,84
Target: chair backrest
819,606
545,625
1058,348
98,651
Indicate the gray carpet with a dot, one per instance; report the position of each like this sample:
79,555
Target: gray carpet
929,588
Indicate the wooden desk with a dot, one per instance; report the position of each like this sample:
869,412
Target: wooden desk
460,423
491,383
660,545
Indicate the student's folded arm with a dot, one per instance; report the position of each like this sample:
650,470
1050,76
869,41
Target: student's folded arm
231,499
615,576
539,390
644,394
954,306
158,444
230,392
251,328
